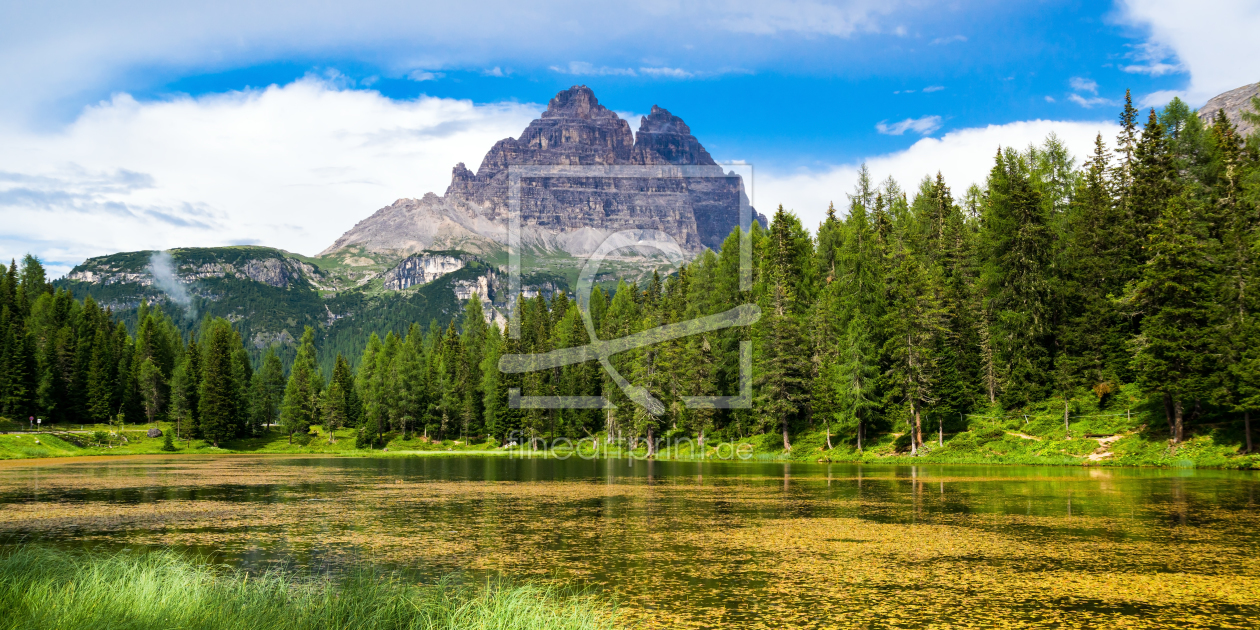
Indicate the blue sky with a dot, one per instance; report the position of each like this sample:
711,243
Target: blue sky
795,99
152,125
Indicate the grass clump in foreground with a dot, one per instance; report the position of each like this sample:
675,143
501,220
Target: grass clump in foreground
47,588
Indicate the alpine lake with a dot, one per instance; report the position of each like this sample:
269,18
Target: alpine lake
683,544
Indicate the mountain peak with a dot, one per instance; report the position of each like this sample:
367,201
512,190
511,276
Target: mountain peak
567,212
659,120
577,102
664,136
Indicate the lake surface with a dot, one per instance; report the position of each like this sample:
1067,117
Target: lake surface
705,545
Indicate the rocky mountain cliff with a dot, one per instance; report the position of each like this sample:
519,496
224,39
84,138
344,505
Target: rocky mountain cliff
1234,102
566,213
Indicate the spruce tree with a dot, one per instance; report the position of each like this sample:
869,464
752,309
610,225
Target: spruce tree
182,396
300,407
269,389
1177,351
152,389
333,407
914,326
785,283
1016,246
218,405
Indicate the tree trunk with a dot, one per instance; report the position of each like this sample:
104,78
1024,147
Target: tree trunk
651,446
1168,414
918,426
1067,428
861,430
827,428
290,438
914,444
787,446
700,442
940,431
1179,416
1247,428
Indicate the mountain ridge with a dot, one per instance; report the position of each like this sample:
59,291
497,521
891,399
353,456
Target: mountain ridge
574,130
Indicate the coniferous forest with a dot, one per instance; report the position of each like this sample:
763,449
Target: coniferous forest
905,311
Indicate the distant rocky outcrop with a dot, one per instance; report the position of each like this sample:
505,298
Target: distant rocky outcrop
263,265
420,269
1234,102
567,213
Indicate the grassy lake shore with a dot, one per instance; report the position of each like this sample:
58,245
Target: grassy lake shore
1129,433
42,587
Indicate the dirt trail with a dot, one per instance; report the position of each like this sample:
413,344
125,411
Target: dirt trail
1104,448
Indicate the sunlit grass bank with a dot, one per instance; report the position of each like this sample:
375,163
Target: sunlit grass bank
1128,430
46,588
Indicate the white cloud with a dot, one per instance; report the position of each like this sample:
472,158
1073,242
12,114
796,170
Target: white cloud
424,75
1049,99
292,167
933,88
1090,102
923,126
1152,59
949,40
586,68
68,48
494,72
810,17
667,73
963,157
1083,85
1217,44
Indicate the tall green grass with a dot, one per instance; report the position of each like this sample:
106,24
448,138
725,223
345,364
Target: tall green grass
46,588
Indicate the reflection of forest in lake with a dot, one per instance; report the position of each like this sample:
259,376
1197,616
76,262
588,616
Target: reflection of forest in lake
688,544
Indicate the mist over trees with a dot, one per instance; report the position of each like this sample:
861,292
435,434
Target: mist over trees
903,312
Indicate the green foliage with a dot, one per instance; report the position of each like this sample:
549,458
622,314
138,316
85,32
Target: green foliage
1051,284
44,588
300,408
218,408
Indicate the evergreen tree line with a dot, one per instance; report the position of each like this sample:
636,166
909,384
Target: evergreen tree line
1050,282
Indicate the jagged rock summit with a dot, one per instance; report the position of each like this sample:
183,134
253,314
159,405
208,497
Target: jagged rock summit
571,214
1234,102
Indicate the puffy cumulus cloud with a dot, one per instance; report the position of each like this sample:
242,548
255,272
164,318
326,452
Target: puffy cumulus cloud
1215,43
291,167
963,157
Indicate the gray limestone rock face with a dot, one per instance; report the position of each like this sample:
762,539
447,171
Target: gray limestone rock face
1234,102
420,269
565,213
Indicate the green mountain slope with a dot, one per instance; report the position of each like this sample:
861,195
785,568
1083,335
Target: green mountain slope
271,295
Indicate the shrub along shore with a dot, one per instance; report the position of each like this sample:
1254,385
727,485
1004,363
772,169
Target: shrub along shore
42,587
1116,435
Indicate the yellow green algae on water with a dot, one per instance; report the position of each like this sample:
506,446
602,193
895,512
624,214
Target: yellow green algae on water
704,545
